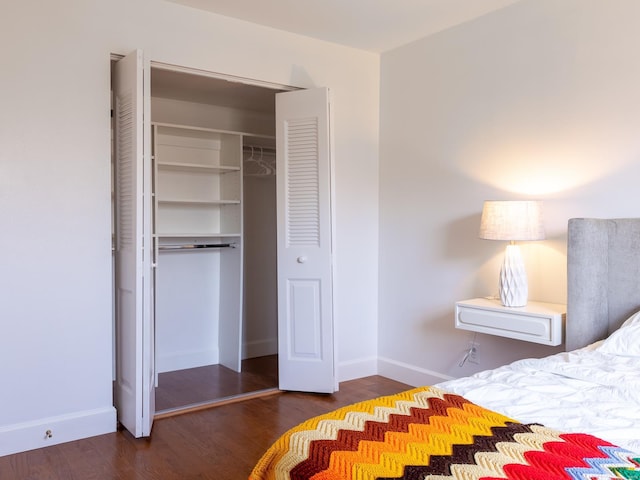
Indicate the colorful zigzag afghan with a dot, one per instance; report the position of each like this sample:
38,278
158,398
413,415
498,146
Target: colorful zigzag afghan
427,433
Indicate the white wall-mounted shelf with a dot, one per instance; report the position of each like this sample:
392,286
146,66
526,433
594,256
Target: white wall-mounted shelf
197,235
536,322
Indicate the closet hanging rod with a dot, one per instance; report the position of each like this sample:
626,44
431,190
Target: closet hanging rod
258,149
196,246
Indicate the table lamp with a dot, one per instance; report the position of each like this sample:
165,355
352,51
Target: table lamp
512,220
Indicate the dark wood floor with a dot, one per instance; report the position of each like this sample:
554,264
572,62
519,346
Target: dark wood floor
221,443
203,384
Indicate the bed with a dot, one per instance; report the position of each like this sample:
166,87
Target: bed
571,415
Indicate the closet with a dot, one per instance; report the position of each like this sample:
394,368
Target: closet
213,221
214,235
215,297
206,274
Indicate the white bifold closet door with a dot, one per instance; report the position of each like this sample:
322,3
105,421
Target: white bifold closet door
134,286
304,205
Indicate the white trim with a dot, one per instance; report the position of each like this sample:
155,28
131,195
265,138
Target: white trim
25,436
364,367
337,372
409,374
221,76
260,348
187,359
212,130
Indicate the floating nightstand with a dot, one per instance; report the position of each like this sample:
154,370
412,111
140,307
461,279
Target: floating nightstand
536,322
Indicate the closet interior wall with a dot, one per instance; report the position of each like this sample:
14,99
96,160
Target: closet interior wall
260,333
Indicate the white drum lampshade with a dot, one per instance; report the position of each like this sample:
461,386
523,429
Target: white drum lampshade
512,220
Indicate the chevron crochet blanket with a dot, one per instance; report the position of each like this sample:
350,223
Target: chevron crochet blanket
427,433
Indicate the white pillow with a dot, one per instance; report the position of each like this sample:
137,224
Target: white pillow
626,340
635,318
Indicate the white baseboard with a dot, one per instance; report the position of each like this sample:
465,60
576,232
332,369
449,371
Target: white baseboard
409,374
357,369
260,348
182,360
45,432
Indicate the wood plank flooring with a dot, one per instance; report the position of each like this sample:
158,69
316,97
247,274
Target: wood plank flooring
203,384
221,443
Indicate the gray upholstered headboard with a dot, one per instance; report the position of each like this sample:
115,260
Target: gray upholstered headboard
603,277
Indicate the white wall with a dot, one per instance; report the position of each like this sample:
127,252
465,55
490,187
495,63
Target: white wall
55,288
260,312
539,100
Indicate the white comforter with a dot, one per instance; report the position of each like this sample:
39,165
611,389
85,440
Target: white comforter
587,391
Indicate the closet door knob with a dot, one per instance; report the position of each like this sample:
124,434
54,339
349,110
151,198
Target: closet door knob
301,259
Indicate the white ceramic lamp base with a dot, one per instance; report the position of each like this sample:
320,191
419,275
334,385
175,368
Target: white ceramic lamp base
513,287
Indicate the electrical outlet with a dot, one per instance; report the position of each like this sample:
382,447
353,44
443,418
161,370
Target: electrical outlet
470,354
473,352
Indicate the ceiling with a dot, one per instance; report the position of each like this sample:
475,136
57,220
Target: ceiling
373,25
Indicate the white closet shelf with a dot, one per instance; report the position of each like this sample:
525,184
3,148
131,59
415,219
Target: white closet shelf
177,201
194,167
181,126
198,235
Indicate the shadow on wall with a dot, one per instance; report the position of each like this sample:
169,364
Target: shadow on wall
301,78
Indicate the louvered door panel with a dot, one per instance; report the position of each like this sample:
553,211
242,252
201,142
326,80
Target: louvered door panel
125,182
303,214
305,296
